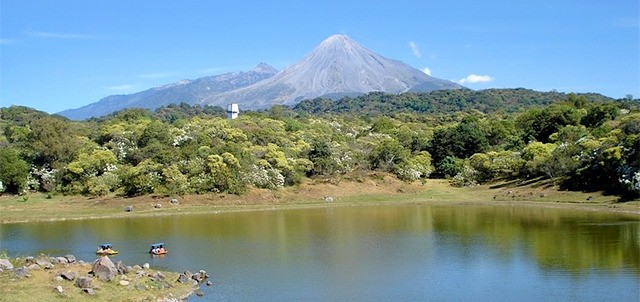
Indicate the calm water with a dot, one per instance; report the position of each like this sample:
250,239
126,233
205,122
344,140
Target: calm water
377,253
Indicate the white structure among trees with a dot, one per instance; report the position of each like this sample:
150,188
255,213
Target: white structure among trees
232,111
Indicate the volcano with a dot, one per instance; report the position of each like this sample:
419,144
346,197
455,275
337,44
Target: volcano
337,67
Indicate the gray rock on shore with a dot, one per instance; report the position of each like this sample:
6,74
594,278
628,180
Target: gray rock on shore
104,269
84,282
5,264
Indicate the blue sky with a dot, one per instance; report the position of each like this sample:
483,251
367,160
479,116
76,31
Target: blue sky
56,55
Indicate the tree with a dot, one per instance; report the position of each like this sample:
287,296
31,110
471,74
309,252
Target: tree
539,124
13,171
460,141
387,154
52,142
599,114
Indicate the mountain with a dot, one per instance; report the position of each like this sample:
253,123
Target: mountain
339,66
188,91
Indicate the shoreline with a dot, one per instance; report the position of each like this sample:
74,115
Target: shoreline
309,195
68,278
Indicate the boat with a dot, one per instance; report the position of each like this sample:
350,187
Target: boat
157,249
106,249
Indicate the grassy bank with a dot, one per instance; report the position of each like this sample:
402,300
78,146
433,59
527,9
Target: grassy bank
378,190
45,285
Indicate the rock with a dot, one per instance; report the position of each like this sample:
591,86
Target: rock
22,272
104,269
137,267
128,268
58,279
174,201
34,267
122,269
5,264
145,266
328,199
157,276
68,275
124,282
83,282
44,264
89,291
157,206
183,278
209,283
199,292
141,286
128,209
70,258
62,260
58,290
29,260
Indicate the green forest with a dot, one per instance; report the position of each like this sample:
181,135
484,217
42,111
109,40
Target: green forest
579,141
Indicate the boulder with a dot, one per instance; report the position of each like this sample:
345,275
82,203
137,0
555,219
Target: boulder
183,278
89,291
5,264
68,275
70,258
122,269
157,206
124,282
157,276
30,259
145,266
33,267
84,282
128,209
104,269
44,264
62,260
22,272
174,201
58,290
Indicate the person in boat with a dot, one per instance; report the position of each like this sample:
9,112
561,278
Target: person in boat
157,249
104,249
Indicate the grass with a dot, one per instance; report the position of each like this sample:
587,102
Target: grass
40,284
379,190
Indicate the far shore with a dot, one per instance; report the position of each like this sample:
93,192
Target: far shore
381,191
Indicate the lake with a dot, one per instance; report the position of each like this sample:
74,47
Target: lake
372,253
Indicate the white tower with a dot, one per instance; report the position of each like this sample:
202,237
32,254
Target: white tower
232,111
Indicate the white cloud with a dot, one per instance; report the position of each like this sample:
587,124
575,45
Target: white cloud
123,87
474,78
426,70
414,49
54,35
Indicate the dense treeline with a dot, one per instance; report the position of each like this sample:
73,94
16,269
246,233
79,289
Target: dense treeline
583,142
440,102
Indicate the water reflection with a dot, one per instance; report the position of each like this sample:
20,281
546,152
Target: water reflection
404,252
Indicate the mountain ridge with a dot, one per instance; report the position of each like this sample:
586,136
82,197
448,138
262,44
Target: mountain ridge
337,67
188,91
